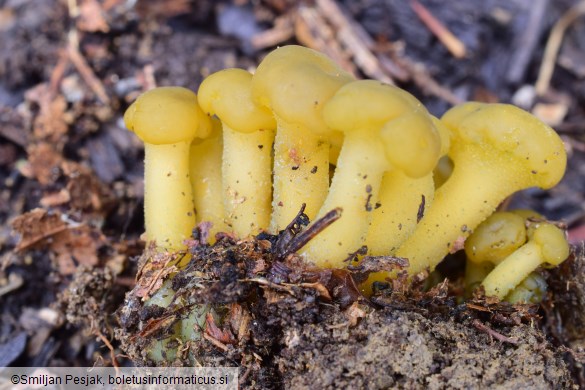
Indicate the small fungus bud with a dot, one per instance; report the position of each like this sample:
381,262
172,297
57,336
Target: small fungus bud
546,244
530,290
490,243
496,238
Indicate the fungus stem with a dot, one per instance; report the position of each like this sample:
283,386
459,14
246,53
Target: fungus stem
246,180
460,205
354,189
169,221
528,255
206,181
301,173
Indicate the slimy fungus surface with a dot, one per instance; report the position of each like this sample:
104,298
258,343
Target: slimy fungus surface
265,147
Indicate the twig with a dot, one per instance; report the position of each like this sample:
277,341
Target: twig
427,83
317,227
312,30
215,342
290,232
484,328
451,42
553,45
266,282
85,71
149,79
350,38
59,72
77,59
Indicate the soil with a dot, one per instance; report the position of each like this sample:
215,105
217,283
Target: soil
71,196
291,325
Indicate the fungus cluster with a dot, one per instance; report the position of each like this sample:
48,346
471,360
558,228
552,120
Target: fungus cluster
268,140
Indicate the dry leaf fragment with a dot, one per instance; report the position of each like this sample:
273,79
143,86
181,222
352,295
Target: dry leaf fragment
43,163
72,244
86,191
154,268
354,313
55,198
319,288
155,324
222,335
239,320
35,226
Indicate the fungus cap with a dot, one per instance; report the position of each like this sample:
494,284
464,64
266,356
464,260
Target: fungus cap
295,82
411,141
228,95
534,145
444,135
552,241
496,238
167,115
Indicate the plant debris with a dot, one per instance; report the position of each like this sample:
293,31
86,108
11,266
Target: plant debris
288,324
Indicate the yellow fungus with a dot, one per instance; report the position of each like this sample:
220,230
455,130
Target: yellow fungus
248,134
295,83
496,149
167,119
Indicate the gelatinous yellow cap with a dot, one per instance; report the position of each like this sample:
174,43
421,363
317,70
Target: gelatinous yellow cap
295,82
228,95
406,130
167,115
535,147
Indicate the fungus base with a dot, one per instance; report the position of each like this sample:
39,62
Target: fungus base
288,325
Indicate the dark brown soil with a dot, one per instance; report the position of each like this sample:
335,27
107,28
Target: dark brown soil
66,76
297,327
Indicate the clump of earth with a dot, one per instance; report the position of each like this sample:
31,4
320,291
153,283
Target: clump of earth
285,323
